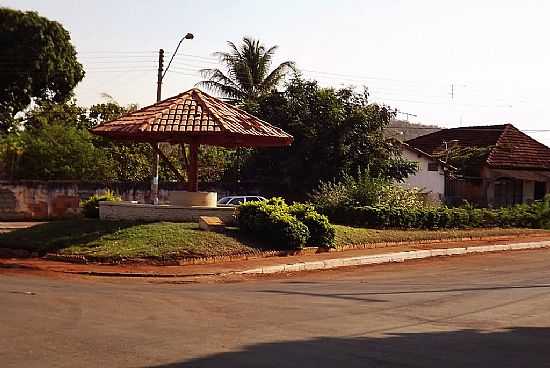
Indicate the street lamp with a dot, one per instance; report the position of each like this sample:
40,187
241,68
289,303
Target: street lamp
160,76
161,73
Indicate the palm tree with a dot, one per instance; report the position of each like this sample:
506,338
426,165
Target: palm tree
248,75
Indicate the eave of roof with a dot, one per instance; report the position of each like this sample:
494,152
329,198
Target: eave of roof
427,155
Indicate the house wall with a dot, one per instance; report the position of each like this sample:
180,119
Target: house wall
459,190
432,182
528,186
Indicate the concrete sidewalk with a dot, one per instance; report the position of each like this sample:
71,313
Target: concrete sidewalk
6,226
272,265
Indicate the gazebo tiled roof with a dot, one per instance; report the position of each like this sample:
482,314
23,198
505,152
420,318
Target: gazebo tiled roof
194,117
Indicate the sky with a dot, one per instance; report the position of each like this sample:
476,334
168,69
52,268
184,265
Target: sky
450,63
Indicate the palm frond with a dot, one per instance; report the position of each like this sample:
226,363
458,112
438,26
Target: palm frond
247,70
277,75
264,62
222,89
236,53
217,75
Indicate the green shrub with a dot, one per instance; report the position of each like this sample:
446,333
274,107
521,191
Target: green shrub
365,191
543,213
523,215
321,232
285,230
90,206
285,227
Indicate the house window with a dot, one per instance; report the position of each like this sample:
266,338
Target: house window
433,166
508,192
540,190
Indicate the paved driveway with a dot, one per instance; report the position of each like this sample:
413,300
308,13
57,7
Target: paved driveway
478,311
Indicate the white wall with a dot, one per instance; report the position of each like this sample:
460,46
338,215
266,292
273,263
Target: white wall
432,182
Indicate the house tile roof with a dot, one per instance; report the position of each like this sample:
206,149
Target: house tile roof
512,149
194,116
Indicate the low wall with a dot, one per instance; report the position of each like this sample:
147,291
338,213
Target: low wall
115,211
41,200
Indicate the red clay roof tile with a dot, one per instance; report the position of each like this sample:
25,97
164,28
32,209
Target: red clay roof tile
194,116
512,148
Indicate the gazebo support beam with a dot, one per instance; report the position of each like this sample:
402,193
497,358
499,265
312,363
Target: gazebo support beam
192,169
168,162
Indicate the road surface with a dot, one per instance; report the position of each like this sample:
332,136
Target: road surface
477,311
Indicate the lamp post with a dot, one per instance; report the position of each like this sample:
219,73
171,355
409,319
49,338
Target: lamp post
160,76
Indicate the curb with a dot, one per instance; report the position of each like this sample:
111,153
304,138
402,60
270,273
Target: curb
140,274
336,262
392,257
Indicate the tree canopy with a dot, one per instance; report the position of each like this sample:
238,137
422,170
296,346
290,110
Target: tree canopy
336,133
55,145
38,63
248,76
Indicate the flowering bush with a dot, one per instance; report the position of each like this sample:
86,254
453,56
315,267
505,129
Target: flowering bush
365,191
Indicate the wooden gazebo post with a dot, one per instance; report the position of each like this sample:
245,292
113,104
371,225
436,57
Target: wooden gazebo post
192,172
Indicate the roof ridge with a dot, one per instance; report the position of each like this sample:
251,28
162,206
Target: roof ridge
502,134
162,110
249,115
197,93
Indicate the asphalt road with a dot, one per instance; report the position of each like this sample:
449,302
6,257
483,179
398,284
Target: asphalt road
477,311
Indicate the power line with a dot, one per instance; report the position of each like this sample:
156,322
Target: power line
477,129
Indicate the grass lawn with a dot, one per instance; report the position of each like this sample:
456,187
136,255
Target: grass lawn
123,239
346,235
165,239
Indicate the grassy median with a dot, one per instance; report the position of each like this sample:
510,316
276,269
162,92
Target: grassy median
100,239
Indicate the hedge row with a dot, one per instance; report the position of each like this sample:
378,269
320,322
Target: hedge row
285,227
533,216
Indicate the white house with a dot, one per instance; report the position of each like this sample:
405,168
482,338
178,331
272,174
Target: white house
430,177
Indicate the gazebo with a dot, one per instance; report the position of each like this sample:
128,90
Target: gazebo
194,118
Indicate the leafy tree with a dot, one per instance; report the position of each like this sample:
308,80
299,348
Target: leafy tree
56,151
467,160
68,124
38,63
131,161
336,133
248,75
214,163
68,113
103,112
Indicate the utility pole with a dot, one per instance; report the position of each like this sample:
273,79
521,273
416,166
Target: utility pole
155,169
452,91
160,76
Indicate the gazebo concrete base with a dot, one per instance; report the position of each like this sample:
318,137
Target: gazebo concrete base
128,211
192,199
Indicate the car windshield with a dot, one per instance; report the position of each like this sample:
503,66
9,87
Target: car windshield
237,200
224,200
